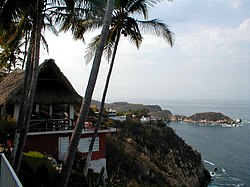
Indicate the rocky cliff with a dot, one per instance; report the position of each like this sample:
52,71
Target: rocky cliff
150,155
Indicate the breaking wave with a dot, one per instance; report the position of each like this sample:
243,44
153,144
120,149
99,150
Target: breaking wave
220,177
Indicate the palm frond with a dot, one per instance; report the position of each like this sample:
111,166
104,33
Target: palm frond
110,43
48,24
156,27
141,6
81,26
90,50
108,47
45,44
132,31
135,38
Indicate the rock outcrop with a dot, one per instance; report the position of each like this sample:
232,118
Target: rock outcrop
153,110
150,155
207,118
177,117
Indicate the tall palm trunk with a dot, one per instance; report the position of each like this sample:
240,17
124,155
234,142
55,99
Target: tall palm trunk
85,171
23,99
32,81
76,135
24,94
25,48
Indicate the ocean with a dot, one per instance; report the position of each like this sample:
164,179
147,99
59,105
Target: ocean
225,150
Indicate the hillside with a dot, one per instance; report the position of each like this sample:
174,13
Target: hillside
124,107
149,155
154,110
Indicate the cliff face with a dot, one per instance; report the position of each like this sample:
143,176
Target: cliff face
149,155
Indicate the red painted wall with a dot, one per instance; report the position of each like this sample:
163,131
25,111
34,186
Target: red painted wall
49,143
43,143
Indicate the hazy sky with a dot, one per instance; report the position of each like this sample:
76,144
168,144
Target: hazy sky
210,58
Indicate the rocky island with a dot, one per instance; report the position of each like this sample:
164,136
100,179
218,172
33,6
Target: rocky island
216,118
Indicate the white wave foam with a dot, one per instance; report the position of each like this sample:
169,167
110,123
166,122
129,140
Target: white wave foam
227,125
211,163
223,170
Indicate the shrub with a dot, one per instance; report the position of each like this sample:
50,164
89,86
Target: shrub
7,133
7,129
36,170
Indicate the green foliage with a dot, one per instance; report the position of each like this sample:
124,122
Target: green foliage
137,113
8,58
36,170
35,159
120,113
140,113
107,123
92,112
7,133
210,116
93,179
7,129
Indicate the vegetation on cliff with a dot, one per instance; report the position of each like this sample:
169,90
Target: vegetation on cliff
153,155
207,118
124,107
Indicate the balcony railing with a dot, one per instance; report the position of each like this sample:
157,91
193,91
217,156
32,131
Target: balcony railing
43,125
8,177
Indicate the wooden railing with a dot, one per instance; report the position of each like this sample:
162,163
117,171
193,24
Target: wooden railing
8,177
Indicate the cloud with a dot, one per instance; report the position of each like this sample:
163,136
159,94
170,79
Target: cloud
245,27
235,3
210,58
221,43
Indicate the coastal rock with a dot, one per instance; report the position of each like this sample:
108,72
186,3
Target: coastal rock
157,157
163,114
206,118
177,117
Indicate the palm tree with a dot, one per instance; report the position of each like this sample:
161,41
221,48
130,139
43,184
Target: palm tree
31,70
122,23
11,42
30,85
76,135
9,12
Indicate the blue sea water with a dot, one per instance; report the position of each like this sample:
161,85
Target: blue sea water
225,148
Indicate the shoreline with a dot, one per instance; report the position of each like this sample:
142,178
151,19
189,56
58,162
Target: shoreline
215,118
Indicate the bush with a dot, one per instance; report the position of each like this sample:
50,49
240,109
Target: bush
36,170
7,133
7,129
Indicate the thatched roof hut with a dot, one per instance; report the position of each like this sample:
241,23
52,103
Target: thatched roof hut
52,87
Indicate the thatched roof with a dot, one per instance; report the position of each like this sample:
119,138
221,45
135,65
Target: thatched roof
52,87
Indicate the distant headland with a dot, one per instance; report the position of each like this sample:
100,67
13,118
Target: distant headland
216,118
